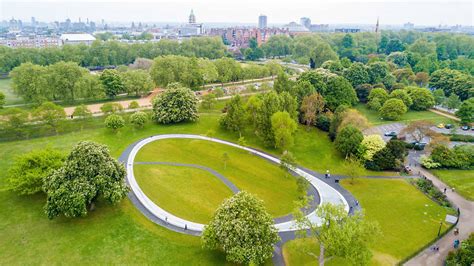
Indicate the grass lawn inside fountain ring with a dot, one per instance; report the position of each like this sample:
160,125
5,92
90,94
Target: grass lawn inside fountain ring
186,197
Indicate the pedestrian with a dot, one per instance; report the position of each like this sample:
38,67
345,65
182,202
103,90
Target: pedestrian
357,203
444,190
185,227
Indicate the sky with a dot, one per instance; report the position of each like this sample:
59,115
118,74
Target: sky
419,12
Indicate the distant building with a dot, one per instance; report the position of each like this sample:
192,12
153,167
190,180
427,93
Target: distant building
306,22
347,30
295,28
240,37
408,26
77,38
319,28
192,18
190,29
262,22
30,42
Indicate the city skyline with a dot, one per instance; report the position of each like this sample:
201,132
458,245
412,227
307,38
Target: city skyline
211,11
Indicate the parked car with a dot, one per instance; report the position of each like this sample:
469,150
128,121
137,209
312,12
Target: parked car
465,127
440,125
419,146
448,126
390,134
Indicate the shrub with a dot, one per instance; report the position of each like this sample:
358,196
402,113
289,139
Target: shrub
114,122
139,119
427,187
428,163
323,122
133,105
402,95
110,108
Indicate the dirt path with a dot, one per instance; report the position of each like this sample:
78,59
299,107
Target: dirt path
445,114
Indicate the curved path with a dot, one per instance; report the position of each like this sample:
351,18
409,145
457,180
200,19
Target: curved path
327,192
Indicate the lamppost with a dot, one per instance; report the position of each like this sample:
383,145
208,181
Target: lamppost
439,230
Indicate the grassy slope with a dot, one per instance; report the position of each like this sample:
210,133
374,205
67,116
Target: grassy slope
407,218
461,180
248,172
375,119
189,193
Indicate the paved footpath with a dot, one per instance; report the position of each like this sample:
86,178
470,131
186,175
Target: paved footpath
445,244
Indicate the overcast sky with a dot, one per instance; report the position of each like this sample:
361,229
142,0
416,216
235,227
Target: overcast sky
420,12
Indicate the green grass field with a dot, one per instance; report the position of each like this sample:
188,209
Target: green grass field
408,219
122,235
186,192
375,119
10,97
461,180
248,172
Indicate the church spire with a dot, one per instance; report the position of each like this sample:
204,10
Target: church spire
192,18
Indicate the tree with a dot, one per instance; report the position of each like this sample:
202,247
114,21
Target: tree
89,87
363,92
15,120
422,98
453,101
402,95
394,45
340,234
311,107
62,78
208,100
277,45
339,92
111,108
114,122
283,127
252,107
356,74
234,118
439,96
321,53
243,229
389,158
289,104
336,121
88,174
301,89
282,83
378,93
377,72
348,140
225,159
139,119
354,118
370,145
287,162
137,82
393,109
112,82
421,79
175,105
51,114
133,105
253,52
354,168
263,125
452,81
466,111
29,170
29,82
418,130
2,100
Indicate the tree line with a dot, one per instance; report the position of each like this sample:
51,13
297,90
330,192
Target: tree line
106,53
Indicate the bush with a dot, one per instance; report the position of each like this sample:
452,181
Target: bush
2,100
133,105
393,109
427,187
323,122
422,98
175,105
461,138
428,163
114,122
460,157
111,108
138,119
348,140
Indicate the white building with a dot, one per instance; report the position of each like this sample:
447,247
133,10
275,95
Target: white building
77,38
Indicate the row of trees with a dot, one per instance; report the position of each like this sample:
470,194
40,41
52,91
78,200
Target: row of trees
194,72
66,81
106,53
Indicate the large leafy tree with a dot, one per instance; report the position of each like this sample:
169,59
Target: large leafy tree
242,228
282,83
393,109
88,174
339,92
422,98
311,107
137,82
452,81
15,120
270,104
26,175
370,145
356,74
176,104
234,118
401,95
340,234
348,141
112,82
29,82
284,127
466,111
90,87
62,78
321,53
277,45
377,72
